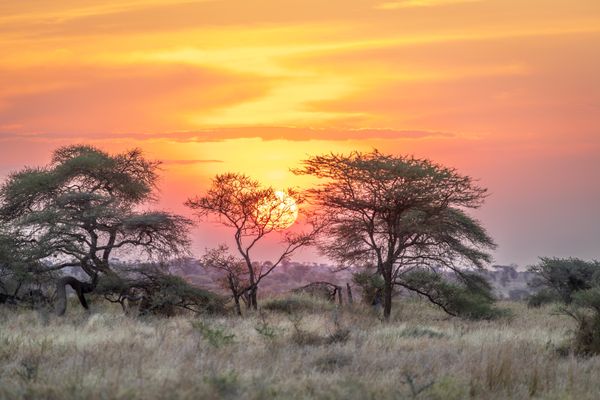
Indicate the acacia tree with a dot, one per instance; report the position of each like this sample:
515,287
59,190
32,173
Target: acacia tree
83,207
253,212
397,213
235,269
565,276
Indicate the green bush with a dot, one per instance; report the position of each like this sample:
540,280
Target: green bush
469,297
370,285
585,309
216,336
565,276
297,303
543,297
159,292
266,330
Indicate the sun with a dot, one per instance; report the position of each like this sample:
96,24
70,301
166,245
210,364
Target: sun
278,212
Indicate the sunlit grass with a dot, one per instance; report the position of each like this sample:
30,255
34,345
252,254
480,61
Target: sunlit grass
108,355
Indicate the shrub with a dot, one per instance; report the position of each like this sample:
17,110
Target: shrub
370,285
159,292
297,303
565,276
216,336
585,309
470,297
266,330
542,297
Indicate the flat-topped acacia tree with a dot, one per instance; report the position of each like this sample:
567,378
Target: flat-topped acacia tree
83,208
253,212
397,213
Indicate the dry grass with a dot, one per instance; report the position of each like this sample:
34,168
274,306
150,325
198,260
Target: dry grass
421,354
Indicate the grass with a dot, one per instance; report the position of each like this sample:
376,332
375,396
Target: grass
421,354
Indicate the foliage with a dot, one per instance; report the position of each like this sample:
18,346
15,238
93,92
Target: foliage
216,336
565,276
83,207
235,269
296,304
542,297
266,330
470,297
158,292
253,212
585,309
371,285
23,278
396,213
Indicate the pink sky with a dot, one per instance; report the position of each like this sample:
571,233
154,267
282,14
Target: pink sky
504,90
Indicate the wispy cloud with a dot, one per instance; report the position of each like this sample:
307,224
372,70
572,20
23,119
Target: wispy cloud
189,162
266,133
393,5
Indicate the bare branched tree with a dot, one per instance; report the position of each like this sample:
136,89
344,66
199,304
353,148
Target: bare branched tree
235,269
253,212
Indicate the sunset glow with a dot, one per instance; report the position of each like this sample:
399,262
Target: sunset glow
279,213
506,91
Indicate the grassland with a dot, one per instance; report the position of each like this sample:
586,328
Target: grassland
421,354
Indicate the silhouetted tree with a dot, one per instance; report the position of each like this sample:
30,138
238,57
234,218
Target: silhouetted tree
253,212
84,206
396,213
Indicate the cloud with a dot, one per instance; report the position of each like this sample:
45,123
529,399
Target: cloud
189,162
96,100
266,133
393,5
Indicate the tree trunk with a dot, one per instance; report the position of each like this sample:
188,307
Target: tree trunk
387,293
236,299
387,301
253,300
349,290
79,287
235,293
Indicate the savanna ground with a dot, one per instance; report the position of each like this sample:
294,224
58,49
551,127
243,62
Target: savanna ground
320,352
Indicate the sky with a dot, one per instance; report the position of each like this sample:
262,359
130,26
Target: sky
506,91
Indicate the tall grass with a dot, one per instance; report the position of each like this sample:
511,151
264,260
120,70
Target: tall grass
421,354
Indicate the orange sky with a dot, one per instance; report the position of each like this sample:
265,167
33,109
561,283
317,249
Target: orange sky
507,91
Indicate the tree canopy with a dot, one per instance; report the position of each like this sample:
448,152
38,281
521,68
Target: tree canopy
565,276
85,206
396,213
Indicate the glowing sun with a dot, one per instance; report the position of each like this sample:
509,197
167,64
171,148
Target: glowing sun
278,212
